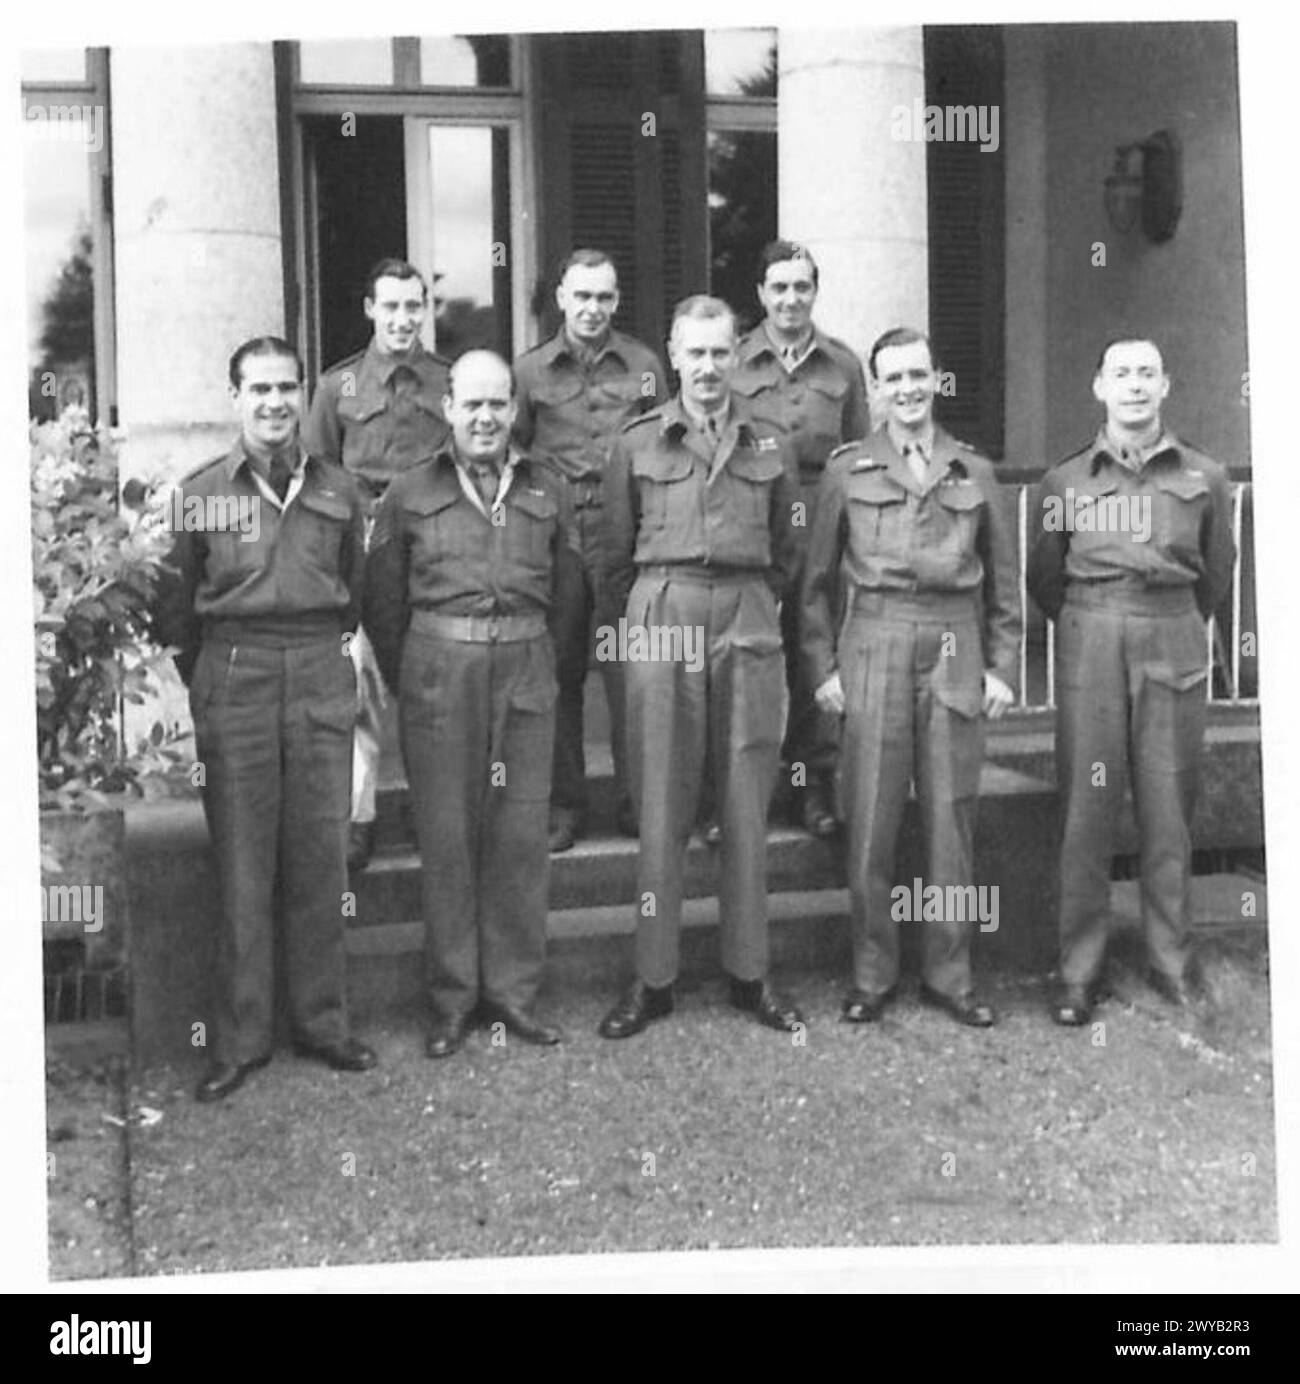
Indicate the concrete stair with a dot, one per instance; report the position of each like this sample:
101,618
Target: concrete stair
592,889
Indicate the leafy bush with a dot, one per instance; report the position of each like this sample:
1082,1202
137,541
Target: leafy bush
95,561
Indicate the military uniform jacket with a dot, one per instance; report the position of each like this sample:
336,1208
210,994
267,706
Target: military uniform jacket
1084,527
876,529
572,415
379,415
433,549
821,404
668,501
302,564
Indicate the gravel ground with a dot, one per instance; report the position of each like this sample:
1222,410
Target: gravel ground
708,1131
86,1170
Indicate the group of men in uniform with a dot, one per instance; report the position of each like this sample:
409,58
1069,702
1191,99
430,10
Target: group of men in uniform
452,537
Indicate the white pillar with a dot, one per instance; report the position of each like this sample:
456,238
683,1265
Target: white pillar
196,221
849,190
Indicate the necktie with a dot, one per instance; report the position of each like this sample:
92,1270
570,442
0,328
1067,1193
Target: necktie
280,474
916,460
485,482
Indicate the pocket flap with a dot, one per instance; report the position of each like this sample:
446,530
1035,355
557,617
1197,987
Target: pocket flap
874,488
960,495
326,502
1181,484
536,503
760,468
663,466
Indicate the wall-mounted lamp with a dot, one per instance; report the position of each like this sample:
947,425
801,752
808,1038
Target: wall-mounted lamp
1146,184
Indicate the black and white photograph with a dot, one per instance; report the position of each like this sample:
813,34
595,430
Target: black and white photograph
646,652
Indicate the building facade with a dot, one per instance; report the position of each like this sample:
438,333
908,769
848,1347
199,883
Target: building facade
999,184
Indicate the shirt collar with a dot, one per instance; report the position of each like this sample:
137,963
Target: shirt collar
560,346
758,343
1105,448
926,441
377,369
238,457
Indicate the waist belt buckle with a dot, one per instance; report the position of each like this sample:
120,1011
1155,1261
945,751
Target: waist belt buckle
493,631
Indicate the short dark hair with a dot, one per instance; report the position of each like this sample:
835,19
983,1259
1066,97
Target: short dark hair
899,336
587,259
261,346
778,251
1125,341
392,268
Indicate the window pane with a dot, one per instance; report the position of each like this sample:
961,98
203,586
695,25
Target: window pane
465,60
53,64
60,272
742,214
470,176
740,62
351,62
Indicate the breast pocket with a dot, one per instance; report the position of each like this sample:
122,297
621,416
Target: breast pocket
959,505
877,513
1179,501
666,494
326,516
365,431
531,535
752,475
826,412
439,533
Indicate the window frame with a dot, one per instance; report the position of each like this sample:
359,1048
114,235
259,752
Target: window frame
417,105
94,90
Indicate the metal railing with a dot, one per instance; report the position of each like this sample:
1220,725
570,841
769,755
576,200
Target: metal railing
1223,647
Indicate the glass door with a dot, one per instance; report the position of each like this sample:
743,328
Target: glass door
465,230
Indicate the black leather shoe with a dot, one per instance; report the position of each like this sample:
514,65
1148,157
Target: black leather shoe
1073,1008
641,1005
361,844
1176,992
711,833
757,997
347,1056
227,1077
816,812
862,1008
446,1036
562,832
522,1025
966,1009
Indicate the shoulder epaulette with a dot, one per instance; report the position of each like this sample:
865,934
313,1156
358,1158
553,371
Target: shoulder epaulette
646,417
343,364
201,468
844,449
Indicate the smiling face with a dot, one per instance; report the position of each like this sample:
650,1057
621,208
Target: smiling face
703,352
1132,386
397,311
787,293
905,385
479,407
588,298
268,402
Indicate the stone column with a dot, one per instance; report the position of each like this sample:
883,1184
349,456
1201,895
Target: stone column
850,190
196,222
1026,124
